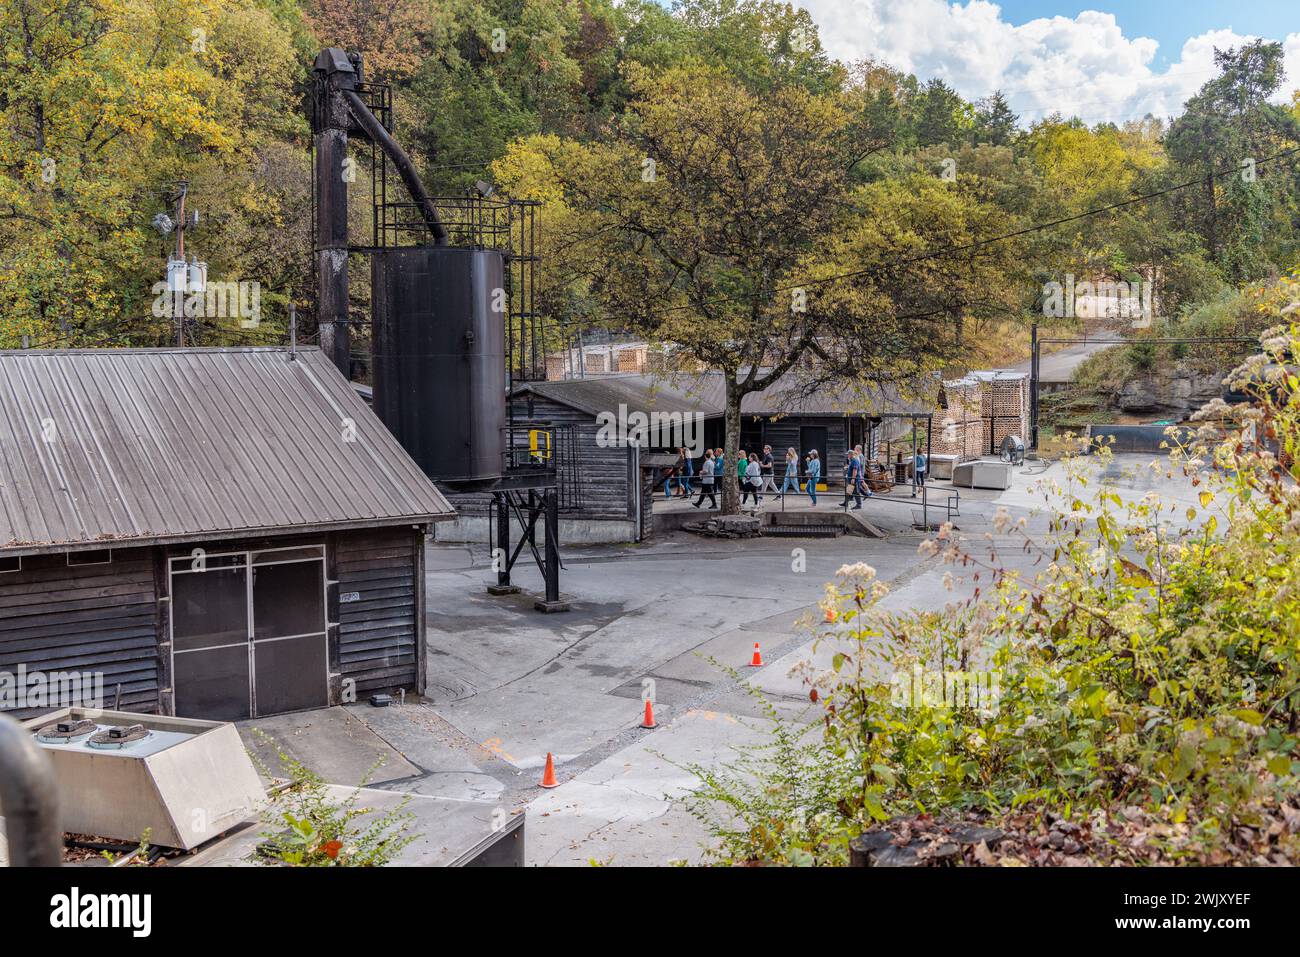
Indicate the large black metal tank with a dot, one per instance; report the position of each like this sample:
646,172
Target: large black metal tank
439,357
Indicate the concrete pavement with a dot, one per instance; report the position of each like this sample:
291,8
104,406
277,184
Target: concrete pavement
507,685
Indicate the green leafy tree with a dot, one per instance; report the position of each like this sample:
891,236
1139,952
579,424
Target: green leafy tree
105,104
1224,128
727,225
941,116
995,122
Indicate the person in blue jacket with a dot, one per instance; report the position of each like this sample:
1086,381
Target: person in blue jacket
814,474
791,472
852,472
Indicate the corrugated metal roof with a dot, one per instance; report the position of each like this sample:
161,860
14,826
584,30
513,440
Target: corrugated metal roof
706,393
109,446
637,392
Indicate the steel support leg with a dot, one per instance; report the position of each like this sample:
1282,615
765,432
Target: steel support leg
501,553
1034,372
551,532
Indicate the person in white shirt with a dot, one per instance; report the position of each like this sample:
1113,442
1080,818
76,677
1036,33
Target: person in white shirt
753,481
706,481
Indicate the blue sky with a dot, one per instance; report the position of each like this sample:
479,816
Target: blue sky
1171,22
1102,61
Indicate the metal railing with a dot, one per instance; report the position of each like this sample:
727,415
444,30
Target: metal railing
951,506
547,452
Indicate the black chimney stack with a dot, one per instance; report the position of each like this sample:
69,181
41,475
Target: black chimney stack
340,110
335,71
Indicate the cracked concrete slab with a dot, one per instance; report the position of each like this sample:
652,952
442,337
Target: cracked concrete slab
447,763
332,742
626,810
520,724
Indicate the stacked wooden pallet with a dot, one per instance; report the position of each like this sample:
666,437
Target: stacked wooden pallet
959,428
983,408
1004,407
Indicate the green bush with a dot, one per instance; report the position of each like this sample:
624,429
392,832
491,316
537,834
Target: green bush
1154,663
309,829
1225,313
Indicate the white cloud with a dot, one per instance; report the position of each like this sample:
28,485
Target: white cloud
1083,66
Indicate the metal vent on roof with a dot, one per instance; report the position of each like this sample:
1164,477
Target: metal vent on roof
118,737
65,732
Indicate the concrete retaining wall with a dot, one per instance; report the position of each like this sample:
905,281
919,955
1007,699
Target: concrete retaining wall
573,531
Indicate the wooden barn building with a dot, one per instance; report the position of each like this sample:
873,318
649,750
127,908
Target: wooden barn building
214,533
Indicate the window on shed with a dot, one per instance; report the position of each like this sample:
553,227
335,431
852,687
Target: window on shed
97,556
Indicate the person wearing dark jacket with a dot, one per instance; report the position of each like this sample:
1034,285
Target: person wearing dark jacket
765,471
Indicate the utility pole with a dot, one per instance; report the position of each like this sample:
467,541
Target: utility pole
177,270
1033,388
182,277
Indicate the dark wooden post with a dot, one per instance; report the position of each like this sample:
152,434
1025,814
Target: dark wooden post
334,72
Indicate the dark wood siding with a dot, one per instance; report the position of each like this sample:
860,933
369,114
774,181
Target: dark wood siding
783,433
608,487
90,618
378,645
606,483
107,618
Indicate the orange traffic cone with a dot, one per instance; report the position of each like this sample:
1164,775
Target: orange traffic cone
757,660
649,720
548,776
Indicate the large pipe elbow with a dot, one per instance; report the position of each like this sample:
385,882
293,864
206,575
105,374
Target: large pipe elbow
405,168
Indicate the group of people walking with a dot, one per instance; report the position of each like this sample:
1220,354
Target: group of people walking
756,474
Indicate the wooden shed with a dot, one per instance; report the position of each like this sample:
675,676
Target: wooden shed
209,533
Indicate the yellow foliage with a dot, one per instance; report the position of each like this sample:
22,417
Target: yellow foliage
106,104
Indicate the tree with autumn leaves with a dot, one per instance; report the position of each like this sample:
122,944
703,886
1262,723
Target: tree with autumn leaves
728,224
105,103
108,103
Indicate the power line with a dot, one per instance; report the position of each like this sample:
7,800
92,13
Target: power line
1074,86
951,250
